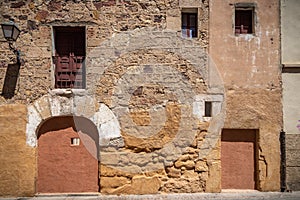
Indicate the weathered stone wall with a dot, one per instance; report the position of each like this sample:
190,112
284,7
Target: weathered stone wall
123,39
155,83
249,66
102,19
17,160
292,162
290,100
147,163
188,173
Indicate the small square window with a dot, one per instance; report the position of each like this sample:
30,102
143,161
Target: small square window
208,109
244,20
189,23
75,141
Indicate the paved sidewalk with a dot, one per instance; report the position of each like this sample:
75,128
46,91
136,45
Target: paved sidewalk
227,195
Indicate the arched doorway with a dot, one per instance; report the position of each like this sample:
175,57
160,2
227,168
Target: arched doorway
67,156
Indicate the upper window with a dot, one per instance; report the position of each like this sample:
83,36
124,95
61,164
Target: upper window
244,19
69,57
189,23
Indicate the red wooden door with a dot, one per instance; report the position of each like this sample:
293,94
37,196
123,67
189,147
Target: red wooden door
64,164
238,159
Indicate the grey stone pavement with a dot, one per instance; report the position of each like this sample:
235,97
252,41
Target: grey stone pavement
228,195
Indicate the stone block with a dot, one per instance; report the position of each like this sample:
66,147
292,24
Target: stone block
18,4
173,23
174,13
201,166
113,182
293,178
84,106
185,158
61,105
190,175
141,185
292,141
42,15
189,164
293,161
106,171
189,3
34,120
293,157
109,127
173,172
110,159
43,107
213,183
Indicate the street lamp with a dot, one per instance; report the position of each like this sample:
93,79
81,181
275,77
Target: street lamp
11,33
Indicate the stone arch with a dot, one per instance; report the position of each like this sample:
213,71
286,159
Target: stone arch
87,130
105,57
99,59
70,103
130,72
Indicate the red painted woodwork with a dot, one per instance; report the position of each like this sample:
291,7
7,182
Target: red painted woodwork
63,167
69,57
69,71
238,159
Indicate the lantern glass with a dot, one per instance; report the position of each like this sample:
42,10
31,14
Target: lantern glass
16,33
10,31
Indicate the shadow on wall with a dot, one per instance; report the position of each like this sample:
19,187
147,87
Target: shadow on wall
79,124
10,81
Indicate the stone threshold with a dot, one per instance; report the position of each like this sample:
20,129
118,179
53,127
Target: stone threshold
67,194
239,191
229,191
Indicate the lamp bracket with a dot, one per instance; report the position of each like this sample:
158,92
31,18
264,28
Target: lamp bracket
16,51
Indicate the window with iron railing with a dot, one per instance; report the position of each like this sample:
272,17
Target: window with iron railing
69,71
69,58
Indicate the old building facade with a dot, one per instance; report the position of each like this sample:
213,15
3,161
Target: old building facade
139,97
290,59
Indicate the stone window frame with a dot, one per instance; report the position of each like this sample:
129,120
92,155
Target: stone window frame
245,7
53,82
199,105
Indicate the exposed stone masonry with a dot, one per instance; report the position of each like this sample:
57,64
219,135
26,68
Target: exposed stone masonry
145,91
174,70
101,18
